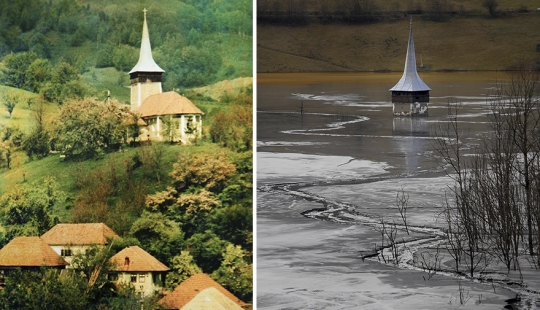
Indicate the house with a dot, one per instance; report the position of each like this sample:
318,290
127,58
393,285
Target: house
134,266
70,239
29,253
200,292
185,117
160,111
410,96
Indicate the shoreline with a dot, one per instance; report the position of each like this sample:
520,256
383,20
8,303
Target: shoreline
372,77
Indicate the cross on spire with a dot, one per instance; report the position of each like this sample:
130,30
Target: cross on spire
145,10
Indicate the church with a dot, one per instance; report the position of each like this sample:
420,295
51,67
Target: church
410,96
163,115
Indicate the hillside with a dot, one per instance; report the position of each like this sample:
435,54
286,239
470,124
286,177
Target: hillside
197,43
459,43
69,154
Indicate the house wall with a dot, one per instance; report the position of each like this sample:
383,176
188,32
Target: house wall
74,249
188,128
143,282
410,109
142,90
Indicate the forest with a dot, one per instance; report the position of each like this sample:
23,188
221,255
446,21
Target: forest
65,156
302,12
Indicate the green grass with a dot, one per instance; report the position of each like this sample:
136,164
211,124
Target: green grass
22,116
103,79
68,173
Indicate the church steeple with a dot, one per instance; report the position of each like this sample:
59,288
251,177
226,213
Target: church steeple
146,76
410,81
146,62
410,95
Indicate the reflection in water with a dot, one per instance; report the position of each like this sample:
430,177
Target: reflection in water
412,148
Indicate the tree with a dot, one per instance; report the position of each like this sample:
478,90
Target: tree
65,83
494,202
234,224
158,235
182,267
133,126
232,126
235,273
15,68
37,142
27,210
491,6
86,128
439,8
207,249
515,110
10,101
170,128
203,170
45,289
93,266
38,73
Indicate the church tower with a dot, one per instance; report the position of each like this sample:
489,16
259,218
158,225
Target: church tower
145,77
410,96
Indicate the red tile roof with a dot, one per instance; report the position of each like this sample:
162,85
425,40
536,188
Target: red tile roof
134,258
29,252
190,288
169,103
79,234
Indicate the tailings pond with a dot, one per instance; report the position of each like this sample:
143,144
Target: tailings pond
330,161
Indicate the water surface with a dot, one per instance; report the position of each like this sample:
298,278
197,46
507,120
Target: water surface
333,137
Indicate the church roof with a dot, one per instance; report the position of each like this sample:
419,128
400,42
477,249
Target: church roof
134,258
79,234
169,103
186,294
29,252
410,81
146,62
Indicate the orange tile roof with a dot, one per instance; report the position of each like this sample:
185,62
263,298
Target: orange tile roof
190,288
79,234
169,103
134,258
211,298
29,252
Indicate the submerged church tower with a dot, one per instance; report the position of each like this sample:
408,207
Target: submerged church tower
145,77
410,96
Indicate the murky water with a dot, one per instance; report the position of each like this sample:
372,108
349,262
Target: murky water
334,138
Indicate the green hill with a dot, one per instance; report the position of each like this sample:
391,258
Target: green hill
461,35
53,52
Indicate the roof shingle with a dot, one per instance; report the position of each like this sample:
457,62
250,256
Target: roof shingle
190,288
79,234
169,103
29,252
134,258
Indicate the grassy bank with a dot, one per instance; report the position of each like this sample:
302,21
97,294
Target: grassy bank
461,43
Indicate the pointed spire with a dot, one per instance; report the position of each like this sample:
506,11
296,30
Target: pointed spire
146,62
410,81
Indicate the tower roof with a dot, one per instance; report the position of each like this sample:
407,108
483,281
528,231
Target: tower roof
146,62
410,81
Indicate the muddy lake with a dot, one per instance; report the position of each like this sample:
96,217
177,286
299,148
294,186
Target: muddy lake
330,161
